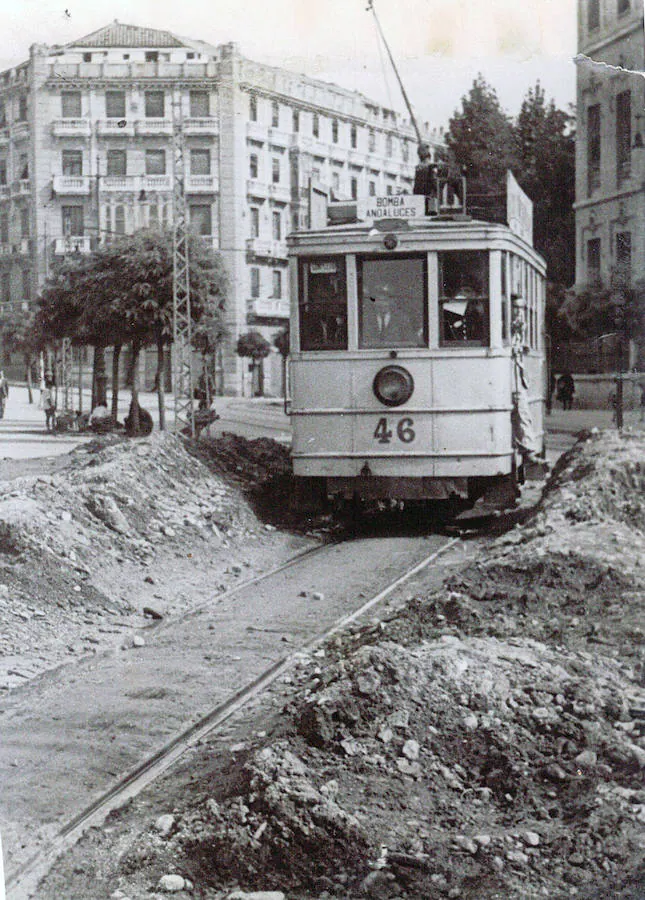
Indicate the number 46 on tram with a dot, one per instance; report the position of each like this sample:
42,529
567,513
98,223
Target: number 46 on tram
417,366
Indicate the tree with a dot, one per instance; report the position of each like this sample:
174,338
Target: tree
480,139
19,335
545,147
253,345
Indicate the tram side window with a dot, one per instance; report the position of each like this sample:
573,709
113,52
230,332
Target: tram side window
392,302
323,304
464,298
505,299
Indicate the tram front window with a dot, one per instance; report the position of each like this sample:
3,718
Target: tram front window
464,298
392,302
323,304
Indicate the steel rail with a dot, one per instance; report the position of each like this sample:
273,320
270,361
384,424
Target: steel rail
24,881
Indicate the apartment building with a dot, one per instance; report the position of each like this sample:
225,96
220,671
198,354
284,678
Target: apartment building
610,157
86,152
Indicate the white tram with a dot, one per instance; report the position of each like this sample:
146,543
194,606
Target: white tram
402,379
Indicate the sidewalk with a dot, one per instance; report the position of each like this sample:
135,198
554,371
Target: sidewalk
572,421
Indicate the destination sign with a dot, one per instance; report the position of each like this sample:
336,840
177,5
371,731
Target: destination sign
396,206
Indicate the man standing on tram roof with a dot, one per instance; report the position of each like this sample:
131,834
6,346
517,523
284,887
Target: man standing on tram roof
425,174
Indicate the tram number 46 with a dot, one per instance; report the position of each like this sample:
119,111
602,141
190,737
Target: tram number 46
404,431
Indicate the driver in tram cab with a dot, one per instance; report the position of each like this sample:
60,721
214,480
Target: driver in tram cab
385,324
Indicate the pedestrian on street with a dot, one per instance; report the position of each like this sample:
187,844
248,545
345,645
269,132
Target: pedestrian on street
4,393
48,404
566,390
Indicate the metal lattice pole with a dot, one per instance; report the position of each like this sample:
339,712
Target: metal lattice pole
182,347
66,372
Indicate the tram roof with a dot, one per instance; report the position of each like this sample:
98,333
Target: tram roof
410,231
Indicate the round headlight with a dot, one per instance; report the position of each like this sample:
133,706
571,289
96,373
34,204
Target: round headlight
393,385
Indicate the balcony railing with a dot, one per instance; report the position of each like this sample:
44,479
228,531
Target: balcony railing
156,182
133,70
21,188
200,125
134,183
20,130
256,130
269,308
256,188
201,184
71,127
281,192
263,248
71,184
153,126
71,244
116,128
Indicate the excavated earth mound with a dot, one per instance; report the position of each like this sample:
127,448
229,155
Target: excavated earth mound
485,741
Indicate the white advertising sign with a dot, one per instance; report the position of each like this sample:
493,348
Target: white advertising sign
395,206
519,210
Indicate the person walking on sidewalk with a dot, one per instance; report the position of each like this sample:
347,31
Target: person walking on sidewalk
48,404
566,390
4,393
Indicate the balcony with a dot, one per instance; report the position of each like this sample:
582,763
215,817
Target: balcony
280,192
23,247
114,70
115,128
256,188
111,183
265,249
270,309
71,244
201,184
279,138
21,188
154,127
71,184
156,182
256,131
71,128
20,131
200,125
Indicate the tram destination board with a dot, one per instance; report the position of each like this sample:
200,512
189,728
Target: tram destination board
395,206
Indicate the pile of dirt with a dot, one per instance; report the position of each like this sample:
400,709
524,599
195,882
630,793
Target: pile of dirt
121,526
486,741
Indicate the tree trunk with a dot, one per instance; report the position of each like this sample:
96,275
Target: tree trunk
28,364
99,381
161,377
116,359
136,350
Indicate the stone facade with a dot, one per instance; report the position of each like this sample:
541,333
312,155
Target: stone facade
610,158
86,153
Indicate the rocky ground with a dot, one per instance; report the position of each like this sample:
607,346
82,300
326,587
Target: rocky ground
119,532
481,741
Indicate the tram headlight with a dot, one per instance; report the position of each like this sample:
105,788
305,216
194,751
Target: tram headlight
393,385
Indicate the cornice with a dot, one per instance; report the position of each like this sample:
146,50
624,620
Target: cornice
63,84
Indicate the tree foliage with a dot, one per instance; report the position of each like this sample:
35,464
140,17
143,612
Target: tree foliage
281,342
254,345
598,310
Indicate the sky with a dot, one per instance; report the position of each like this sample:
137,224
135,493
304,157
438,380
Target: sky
439,45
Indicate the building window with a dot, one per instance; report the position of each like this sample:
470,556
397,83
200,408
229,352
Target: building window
155,104
334,131
24,222
593,261
253,166
623,7
593,147
276,220
22,108
201,219
277,284
87,57
73,221
335,183
389,146
117,162
3,115
119,219
115,104
388,190
464,298
372,189
624,256
392,302
593,15
23,167
295,119
253,108
4,228
354,188
623,136
3,171
275,114
275,170
152,56
255,283
155,162
26,284
371,144
406,150
315,125
70,104
6,287
72,162
255,222
353,136
200,162
200,107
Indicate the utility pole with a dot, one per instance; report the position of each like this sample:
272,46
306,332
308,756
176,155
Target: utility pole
182,355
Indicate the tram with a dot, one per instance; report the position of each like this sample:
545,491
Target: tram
417,351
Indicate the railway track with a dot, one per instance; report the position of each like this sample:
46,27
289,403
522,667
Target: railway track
23,879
